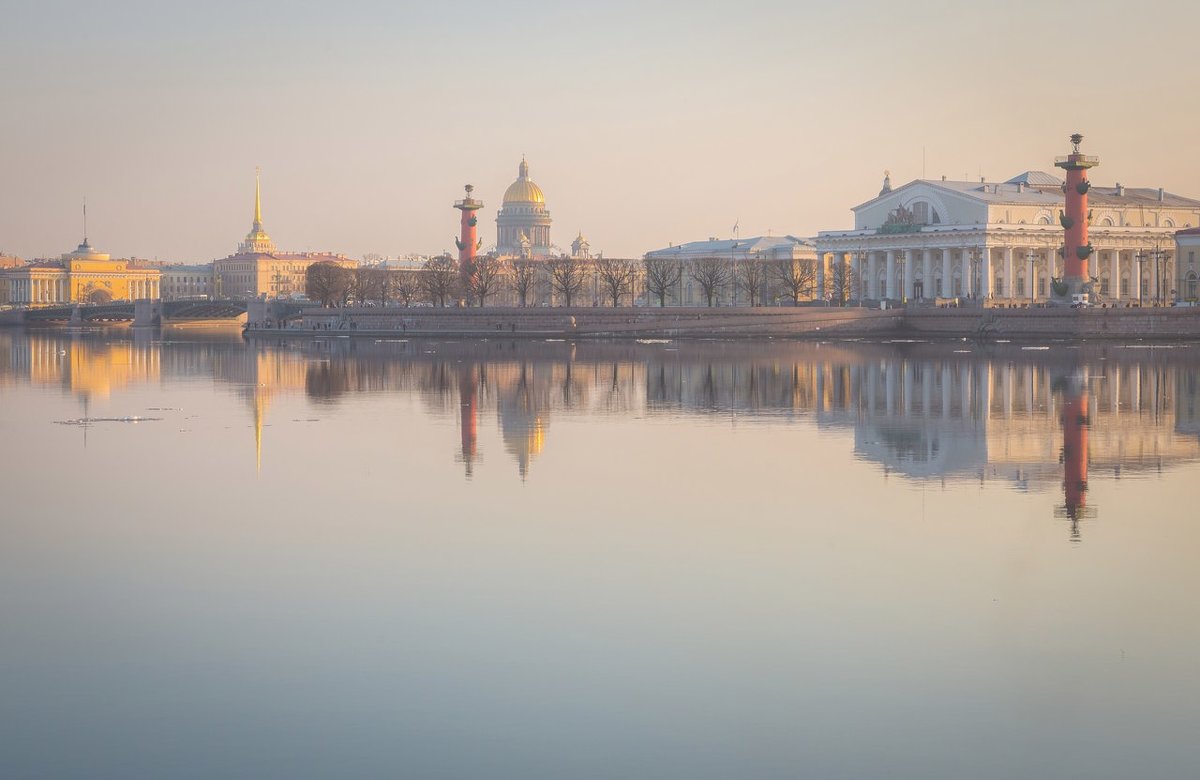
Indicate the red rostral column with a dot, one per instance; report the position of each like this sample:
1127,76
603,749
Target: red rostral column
1074,219
468,242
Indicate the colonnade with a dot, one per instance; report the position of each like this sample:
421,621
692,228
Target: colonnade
52,290
1020,274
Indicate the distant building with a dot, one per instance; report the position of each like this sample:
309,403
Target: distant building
765,249
1002,240
523,222
258,270
1187,247
82,276
187,282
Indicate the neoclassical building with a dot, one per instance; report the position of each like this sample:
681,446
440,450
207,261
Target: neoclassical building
523,222
1001,242
83,276
258,270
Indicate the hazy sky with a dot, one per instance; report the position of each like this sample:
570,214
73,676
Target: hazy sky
645,123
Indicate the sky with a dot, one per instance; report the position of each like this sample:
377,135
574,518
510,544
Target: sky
644,124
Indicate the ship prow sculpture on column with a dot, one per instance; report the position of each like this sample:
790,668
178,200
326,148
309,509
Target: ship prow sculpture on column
1075,286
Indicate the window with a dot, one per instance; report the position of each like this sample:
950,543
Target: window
1020,285
1124,286
1104,285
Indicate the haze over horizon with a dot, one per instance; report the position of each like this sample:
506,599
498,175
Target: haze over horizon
644,125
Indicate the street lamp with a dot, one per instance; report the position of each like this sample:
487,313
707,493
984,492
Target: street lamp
975,258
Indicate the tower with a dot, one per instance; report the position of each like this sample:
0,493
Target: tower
257,241
1076,283
468,242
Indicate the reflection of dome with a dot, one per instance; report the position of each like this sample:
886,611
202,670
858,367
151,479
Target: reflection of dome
523,190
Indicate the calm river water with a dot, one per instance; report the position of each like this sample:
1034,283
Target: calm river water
505,559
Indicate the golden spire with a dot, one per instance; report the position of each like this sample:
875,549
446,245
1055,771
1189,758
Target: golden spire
257,199
257,240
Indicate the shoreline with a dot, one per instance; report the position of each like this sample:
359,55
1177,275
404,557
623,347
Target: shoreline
802,323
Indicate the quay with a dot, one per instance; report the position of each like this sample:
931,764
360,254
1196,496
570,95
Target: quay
805,322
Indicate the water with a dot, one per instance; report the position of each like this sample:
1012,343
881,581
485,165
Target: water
536,560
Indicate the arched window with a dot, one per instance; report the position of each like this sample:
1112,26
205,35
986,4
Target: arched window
1043,220
1168,222
1107,222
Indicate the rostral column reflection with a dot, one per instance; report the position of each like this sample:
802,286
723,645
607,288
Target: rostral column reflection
468,394
1075,424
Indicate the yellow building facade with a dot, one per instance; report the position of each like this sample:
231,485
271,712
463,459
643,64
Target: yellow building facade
82,276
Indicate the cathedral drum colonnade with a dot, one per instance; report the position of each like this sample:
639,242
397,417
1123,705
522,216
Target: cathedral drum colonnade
1002,242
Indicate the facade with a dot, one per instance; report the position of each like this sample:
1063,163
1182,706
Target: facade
83,276
257,270
523,222
1187,250
766,249
1001,242
187,282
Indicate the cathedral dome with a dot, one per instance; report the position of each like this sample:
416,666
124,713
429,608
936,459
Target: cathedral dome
523,190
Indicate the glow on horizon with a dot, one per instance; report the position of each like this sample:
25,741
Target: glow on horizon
644,125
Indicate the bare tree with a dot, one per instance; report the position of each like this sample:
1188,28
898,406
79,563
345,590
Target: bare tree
796,277
748,276
662,277
840,282
486,274
617,277
328,283
440,279
567,277
406,285
524,277
712,274
368,284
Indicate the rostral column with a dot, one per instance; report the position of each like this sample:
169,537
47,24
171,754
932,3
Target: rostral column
1076,283
468,242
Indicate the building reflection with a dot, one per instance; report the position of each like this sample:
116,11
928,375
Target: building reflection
1035,419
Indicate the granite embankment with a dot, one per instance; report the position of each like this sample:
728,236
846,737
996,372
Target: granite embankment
725,323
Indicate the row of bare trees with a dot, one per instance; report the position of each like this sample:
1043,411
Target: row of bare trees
441,282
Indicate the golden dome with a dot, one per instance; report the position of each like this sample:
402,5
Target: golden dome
523,190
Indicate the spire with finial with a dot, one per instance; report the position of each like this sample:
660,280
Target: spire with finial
257,241
257,199
887,183
523,169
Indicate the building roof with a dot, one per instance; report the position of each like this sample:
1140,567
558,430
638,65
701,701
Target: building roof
727,246
1038,188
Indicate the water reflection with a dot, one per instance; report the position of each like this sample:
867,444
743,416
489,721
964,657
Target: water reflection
1032,418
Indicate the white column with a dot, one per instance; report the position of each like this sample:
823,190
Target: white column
1010,277
1115,275
872,275
820,276
909,272
965,265
947,276
927,289
1155,281
890,290
1051,262
856,276
985,272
